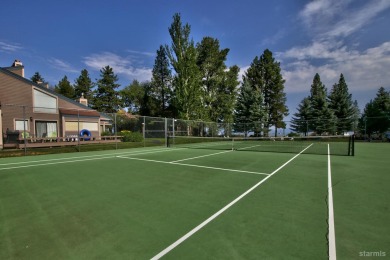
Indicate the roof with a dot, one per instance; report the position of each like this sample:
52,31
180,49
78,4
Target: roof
20,78
91,113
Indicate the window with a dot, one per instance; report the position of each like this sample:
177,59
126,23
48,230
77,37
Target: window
73,126
44,103
20,126
46,129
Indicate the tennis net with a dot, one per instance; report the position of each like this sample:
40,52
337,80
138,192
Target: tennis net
339,145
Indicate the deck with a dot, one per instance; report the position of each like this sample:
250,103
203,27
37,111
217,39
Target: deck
60,141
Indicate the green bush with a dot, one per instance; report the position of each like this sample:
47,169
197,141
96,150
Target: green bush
106,133
129,136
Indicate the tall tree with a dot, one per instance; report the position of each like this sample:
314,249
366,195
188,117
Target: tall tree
211,62
161,85
84,85
139,99
37,78
376,115
300,120
150,106
265,74
322,117
132,97
356,115
182,55
250,114
227,95
65,88
340,102
107,97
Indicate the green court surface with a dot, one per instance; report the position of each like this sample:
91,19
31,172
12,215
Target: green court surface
178,203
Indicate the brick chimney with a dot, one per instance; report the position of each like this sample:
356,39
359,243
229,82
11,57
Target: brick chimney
17,68
83,100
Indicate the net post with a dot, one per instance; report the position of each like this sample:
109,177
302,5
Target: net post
169,141
351,145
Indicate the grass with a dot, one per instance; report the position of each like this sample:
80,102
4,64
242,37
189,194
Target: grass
96,205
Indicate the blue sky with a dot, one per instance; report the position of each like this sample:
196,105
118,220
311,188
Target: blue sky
329,37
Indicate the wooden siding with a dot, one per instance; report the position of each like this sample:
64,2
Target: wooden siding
16,98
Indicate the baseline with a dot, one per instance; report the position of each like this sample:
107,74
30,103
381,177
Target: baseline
204,223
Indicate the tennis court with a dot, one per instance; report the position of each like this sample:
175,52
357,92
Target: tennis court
181,203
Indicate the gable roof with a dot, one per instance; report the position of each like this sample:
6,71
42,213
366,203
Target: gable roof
39,86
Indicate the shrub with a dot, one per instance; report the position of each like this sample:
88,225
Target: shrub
106,133
128,136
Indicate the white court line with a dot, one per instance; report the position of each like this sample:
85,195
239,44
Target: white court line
86,158
192,165
240,149
331,232
204,223
51,163
200,156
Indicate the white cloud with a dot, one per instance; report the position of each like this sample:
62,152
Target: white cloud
62,65
335,18
328,23
144,53
355,20
120,65
320,50
363,70
9,47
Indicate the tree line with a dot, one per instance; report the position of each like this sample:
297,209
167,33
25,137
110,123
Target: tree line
336,113
191,81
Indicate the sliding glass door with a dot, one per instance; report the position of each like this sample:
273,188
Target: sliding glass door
46,129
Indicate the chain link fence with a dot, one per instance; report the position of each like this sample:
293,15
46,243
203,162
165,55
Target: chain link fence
25,127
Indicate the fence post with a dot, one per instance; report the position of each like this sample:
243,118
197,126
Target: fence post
24,131
78,129
143,131
116,132
173,127
166,132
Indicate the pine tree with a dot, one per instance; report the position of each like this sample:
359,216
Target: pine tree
227,95
355,116
322,117
162,83
275,98
265,74
340,102
37,78
300,120
249,113
182,55
65,88
83,86
107,97
376,115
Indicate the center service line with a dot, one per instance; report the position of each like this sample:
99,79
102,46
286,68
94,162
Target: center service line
204,223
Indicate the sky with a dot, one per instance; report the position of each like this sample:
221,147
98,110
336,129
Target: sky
328,37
